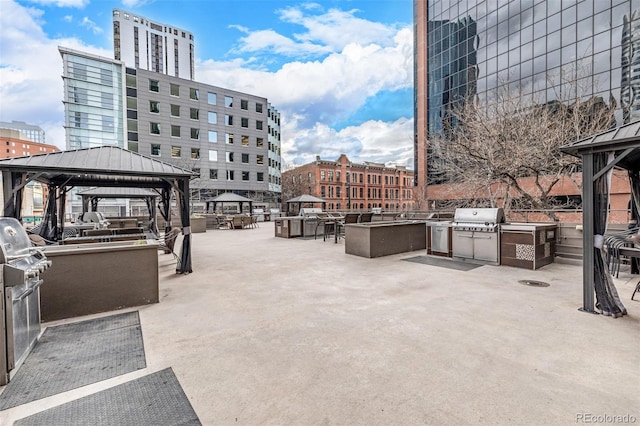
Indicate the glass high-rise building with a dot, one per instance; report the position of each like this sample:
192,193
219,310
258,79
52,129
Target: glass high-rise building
468,48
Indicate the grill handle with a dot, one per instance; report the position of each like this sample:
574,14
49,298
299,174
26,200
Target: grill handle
37,284
24,294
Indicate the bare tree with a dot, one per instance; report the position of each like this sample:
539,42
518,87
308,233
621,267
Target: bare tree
503,151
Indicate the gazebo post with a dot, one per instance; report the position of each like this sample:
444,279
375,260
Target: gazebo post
588,275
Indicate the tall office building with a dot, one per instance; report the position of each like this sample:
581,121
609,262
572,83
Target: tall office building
146,44
93,100
468,48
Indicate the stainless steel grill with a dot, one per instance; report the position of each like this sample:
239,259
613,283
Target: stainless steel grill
475,235
20,269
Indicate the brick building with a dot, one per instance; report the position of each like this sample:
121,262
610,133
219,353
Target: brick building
14,144
351,186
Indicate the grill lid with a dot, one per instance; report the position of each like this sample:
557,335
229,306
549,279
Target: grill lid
14,240
484,216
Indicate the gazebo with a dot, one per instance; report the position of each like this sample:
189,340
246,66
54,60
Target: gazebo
229,198
104,166
305,199
620,148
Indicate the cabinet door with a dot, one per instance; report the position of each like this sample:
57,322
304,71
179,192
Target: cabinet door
485,246
462,244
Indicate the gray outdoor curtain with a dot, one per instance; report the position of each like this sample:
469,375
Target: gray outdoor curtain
634,181
184,266
607,299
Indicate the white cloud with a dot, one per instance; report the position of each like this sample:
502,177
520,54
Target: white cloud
136,3
68,19
320,34
313,95
62,3
90,25
31,69
375,141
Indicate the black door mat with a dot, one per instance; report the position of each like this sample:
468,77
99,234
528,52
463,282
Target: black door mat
443,263
155,399
73,355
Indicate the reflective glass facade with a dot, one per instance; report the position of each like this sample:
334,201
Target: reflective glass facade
468,47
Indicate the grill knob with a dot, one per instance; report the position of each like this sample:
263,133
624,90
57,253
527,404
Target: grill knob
31,273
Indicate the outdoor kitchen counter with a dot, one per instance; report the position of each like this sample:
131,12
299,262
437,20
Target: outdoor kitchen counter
376,239
98,277
527,245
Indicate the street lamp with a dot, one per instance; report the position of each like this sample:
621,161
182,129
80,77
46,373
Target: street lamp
349,191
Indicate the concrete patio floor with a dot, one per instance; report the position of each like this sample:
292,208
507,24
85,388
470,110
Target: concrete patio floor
289,331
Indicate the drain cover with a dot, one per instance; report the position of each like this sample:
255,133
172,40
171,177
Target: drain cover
534,283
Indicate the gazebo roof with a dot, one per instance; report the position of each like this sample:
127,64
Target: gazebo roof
305,198
98,166
229,197
623,138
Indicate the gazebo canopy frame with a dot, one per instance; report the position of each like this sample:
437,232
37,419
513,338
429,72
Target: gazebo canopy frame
229,198
104,166
91,198
620,148
305,199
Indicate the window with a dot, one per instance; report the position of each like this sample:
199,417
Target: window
176,152
175,131
323,175
259,142
174,89
258,107
260,177
322,191
245,175
330,175
194,94
228,120
154,106
213,136
228,138
213,155
194,113
155,150
212,117
245,140
229,174
228,101
259,159
258,125
244,122
175,110
229,157
154,85
245,158
154,128
195,153
244,104
213,174
195,133
212,98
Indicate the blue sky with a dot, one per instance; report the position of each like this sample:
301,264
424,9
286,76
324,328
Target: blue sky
339,71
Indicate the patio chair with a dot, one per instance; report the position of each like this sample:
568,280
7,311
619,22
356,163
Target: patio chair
366,217
254,222
237,222
348,218
613,243
223,222
167,242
